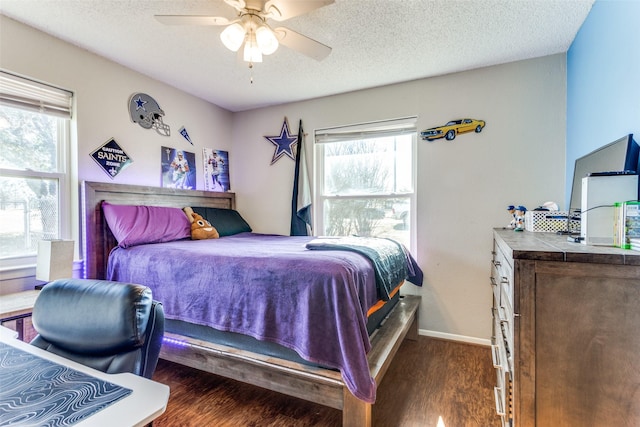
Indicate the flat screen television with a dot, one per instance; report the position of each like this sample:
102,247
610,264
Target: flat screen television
620,156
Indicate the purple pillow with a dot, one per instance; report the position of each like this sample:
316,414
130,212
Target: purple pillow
137,225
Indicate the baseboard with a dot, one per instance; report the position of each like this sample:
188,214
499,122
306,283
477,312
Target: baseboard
454,337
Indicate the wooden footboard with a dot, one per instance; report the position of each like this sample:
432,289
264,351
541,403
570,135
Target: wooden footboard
322,386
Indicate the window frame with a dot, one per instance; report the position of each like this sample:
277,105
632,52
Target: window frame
402,126
56,103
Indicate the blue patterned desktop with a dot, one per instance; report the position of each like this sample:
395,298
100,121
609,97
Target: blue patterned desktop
39,388
38,392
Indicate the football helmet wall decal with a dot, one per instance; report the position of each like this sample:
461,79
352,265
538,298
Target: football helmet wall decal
145,111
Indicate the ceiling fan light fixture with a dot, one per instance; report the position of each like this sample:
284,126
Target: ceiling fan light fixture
252,51
233,36
266,39
250,27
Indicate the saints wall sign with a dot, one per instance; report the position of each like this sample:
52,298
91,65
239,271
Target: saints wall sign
111,158
145,111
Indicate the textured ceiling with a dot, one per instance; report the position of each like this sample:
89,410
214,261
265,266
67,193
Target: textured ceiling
375,42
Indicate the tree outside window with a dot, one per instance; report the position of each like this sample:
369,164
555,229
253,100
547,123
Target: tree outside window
33,139
367,186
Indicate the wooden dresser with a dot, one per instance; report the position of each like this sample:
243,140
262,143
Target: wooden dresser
566,332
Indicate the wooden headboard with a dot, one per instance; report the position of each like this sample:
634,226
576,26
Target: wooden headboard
97,240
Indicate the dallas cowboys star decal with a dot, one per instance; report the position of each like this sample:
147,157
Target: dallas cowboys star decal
140,104
284,142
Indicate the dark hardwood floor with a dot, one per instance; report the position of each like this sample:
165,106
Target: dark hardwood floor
432,383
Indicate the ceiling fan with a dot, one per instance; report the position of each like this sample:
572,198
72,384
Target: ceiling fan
250,27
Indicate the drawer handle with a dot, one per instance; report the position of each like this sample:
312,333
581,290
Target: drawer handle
493,281
499,405
497,263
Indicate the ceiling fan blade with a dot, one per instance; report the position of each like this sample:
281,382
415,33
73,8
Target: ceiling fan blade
192,20
302,44
236,4
280,10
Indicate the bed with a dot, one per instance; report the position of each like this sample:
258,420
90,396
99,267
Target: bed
275,371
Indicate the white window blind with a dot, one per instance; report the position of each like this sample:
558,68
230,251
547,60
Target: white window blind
27,94
381,129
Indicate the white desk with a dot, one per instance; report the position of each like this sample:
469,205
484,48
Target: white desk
147,401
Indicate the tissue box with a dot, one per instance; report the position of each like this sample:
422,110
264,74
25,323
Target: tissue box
550,222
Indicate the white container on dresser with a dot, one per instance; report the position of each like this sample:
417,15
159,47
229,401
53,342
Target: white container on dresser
566,332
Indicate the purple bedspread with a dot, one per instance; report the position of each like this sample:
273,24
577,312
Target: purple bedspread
269,287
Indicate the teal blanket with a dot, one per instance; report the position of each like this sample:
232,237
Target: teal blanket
392,263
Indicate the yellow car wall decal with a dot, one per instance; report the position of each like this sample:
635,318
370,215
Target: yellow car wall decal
453,128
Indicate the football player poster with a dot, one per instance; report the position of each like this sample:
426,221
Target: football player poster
178,168
216,170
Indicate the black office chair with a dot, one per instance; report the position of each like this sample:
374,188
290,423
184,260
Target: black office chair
109,326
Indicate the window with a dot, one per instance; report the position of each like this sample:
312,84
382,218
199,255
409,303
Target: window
34,140
366,180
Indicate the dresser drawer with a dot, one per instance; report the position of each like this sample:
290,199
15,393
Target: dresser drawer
503,389
495,288
500,355
506,326
503,338
502,273
502,277
506,293
503,406
506,316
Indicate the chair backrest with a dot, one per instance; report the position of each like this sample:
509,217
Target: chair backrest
110,326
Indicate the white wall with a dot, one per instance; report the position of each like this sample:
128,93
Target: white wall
463,186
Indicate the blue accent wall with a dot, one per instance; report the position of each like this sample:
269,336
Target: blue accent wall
603,80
